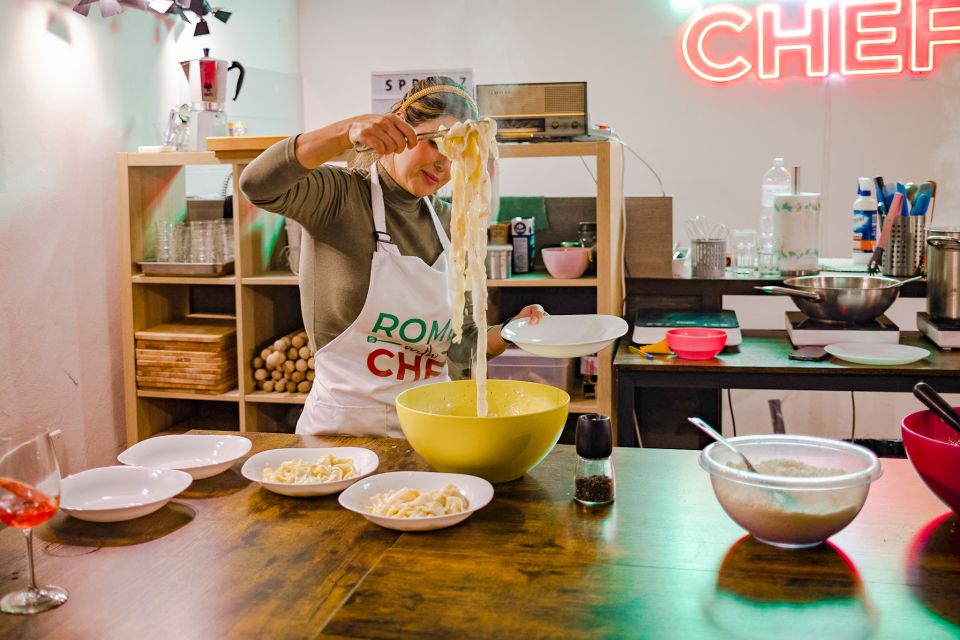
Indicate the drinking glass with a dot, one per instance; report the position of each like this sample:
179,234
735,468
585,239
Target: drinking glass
29,495
744,246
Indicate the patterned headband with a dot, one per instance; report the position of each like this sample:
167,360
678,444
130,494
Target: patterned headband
445,88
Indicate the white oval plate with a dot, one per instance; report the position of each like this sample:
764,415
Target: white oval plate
569,336
113,494
365,460
876,354
201,456
357,498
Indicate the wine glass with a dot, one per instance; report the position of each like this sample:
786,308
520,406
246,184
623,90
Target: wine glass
29,495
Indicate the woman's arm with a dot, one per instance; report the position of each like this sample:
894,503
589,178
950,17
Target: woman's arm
495,342
384,134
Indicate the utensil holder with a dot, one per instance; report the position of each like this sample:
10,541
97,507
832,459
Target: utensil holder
900,254
709,258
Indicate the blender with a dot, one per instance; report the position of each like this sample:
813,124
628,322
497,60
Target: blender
207,78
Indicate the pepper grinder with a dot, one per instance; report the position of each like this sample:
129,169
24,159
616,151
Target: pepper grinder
594,481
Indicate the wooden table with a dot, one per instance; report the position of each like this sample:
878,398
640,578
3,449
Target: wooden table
227,559
761,361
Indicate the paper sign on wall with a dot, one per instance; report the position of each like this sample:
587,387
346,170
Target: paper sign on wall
387,87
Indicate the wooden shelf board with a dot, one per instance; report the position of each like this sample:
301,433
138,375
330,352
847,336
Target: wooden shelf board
540,279
580,405
547,149
270,397
230,396
274,278
171,159
221,280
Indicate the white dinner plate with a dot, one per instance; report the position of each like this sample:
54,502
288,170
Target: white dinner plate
876,354
365,460
112,494
569,336
201,456
357,498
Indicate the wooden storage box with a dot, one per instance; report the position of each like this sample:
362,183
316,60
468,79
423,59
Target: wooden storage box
192,354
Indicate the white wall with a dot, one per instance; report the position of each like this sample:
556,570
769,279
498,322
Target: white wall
710,144
76,91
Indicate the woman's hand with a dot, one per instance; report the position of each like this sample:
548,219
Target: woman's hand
384,134
495,342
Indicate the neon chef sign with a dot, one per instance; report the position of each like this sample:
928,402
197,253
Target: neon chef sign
723,43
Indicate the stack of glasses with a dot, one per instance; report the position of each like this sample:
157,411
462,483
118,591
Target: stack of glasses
203,241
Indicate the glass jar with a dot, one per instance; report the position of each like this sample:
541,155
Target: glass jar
588,238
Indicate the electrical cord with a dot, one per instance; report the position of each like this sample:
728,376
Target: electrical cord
733,418
587,167
853,421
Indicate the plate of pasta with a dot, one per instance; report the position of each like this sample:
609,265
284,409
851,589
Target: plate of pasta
304,472
417,500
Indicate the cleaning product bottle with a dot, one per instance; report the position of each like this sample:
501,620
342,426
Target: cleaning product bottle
864,222
776,180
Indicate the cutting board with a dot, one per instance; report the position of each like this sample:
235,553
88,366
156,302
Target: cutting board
210,331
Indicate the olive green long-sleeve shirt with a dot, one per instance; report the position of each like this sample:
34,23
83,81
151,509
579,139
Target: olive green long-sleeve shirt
333,206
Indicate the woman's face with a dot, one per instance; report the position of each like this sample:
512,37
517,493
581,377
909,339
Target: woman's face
423,169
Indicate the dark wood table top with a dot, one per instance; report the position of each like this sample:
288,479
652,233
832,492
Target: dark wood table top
227,559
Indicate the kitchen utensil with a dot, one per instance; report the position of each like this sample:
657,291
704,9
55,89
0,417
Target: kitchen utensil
358,497
876,354
524,421
943,272
201,456
421,135
910,188
696,343
564,336
366,462
115,494
713,433
207,79
840,298
820,505
934,450
938,404
877,258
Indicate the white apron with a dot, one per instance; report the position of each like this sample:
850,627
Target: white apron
399,340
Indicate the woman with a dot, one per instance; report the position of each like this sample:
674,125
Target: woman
373,283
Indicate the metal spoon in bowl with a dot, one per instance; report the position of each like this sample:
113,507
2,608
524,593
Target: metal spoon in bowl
713,433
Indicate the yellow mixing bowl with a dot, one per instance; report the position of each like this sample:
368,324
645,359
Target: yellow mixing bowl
524,421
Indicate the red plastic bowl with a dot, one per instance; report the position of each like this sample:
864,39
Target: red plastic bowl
696,343
934,449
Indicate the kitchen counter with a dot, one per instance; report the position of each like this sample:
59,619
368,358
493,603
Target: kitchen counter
227,559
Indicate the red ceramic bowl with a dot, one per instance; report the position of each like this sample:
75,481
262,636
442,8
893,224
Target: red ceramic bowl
934,449
696,343
566,263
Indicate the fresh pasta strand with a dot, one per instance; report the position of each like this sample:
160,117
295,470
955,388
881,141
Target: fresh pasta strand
471,145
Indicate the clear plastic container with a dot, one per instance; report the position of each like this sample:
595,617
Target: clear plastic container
776,180
516,364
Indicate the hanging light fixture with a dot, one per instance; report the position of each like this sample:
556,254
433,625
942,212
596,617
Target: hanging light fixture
191,11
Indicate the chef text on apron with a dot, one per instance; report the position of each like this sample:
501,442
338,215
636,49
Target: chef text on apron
400,339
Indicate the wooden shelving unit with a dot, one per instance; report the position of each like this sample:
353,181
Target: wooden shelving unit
151,187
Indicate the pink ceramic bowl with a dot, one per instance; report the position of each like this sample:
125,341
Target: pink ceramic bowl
696,343
934,449
566,263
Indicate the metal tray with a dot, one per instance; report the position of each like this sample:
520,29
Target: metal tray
198,269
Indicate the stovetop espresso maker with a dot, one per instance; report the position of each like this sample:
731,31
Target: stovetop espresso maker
207,78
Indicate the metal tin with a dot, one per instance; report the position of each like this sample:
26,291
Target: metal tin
499,259
943,272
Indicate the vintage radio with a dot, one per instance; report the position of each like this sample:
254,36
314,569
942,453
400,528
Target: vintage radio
535,111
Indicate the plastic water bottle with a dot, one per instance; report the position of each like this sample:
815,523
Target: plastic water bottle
776,180
864,222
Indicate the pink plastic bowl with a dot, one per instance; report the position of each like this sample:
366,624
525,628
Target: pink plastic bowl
696,343
934,449
566,263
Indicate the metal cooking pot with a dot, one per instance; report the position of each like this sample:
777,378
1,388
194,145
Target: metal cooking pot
841,299
943,272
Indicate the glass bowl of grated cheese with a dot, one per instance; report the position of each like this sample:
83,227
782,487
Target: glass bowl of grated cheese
807,488
305,472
